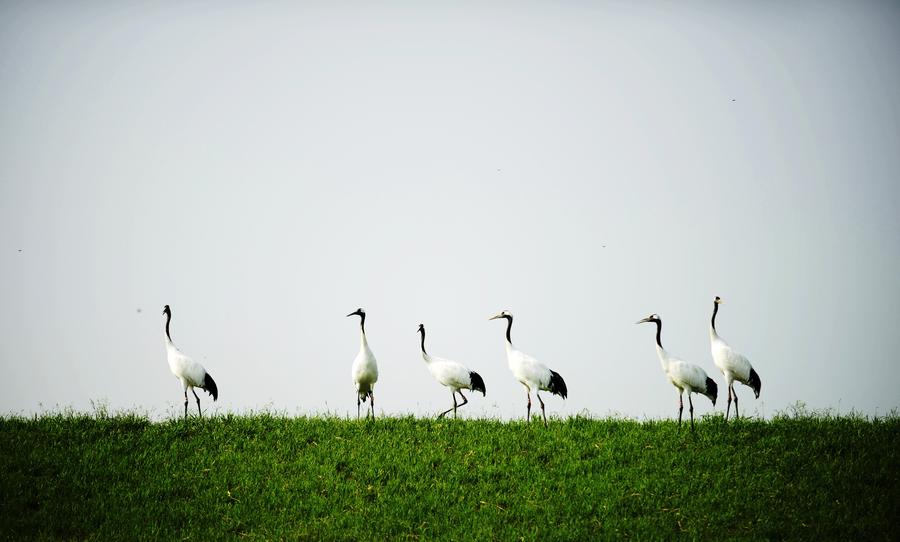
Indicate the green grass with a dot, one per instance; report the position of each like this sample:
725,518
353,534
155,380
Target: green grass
71,476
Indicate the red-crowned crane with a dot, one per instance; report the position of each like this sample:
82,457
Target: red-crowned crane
531,373
365,368
453,375
733,365
685,376
189,372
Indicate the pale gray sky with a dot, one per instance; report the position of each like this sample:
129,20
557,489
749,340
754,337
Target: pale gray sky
267,168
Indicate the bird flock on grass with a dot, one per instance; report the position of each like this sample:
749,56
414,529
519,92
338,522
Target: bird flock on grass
533,375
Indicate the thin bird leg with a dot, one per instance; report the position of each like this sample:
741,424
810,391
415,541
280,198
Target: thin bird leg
691,403
198,402
728,408
463,397
185,403
372,403
680,408
528,412
543,412
444,413
736,413
357,405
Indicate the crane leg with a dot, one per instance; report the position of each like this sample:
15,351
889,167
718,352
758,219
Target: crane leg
372,403
444,413
528,411
198,402
465,401
680,409
691,403
736,413
185,403
357,405
728,408
543,412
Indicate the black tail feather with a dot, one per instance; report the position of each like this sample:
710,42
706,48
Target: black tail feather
209,385
557,385
477,382
755,382
712,390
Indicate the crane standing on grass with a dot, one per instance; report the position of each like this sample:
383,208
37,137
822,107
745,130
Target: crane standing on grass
189,372
452,374
531,373
685,376
365,368
733,365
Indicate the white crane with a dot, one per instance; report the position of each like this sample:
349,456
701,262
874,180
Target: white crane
531,373
189,372
452,374
365,368
685,376
733,365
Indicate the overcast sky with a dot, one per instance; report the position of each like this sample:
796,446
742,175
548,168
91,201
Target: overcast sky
267,168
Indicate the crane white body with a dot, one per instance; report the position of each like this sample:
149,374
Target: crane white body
531,373
686,377
453,375
190,373
364,371
733,365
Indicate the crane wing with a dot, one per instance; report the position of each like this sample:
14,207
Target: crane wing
687,375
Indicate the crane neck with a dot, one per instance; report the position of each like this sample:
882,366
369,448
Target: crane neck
660,351
659,333
508,328
423,341
712,322
663,358
168,319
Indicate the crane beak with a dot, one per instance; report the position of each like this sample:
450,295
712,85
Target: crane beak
643,321
353,313
496,316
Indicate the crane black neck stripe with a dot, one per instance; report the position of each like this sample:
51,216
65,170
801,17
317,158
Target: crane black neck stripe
658,332
508,328
168,319
715,310
362,323
423,340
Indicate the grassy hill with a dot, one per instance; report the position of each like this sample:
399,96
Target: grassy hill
265,477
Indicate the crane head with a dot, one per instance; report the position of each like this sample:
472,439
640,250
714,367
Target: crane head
718,300
421,328
357,312
502,314
167,310
652,318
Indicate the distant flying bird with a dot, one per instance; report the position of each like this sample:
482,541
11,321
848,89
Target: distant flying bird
531,373
733,365
452,374
365,369
685,376
189,372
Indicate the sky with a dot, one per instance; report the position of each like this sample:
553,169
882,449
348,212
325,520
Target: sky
266,168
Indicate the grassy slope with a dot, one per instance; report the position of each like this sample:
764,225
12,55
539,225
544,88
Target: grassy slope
270,477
